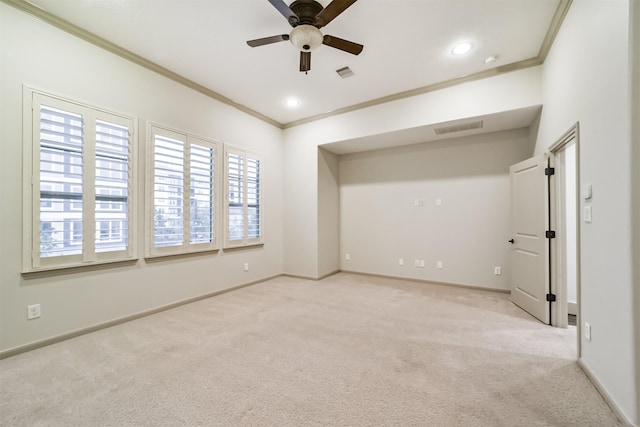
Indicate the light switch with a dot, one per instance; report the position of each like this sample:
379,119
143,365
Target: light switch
587,214
587,191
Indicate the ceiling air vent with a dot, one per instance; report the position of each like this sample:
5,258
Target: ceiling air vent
344,72
459,128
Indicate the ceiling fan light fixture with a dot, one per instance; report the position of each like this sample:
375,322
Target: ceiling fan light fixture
305,37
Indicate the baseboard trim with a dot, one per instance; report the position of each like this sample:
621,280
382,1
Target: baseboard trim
82,331
298,276
605,395
431,282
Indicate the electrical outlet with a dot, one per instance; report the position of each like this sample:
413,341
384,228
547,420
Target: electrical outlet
33,311
421,263
587,331
347,257
497,271
439,264
416,263
246,266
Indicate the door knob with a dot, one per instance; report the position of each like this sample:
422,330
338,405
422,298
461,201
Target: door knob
512,241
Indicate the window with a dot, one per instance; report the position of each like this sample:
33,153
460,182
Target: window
244,198
69,147
182,195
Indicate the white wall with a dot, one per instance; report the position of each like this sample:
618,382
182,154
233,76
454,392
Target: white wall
40,55
505,92
468,232
328,213
586,79
301,209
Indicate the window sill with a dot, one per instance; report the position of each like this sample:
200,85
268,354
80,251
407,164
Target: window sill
241,247
168,256
72,269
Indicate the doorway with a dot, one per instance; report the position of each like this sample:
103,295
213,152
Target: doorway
545,249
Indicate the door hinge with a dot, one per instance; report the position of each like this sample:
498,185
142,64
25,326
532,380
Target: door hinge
551,234
549,171
551,297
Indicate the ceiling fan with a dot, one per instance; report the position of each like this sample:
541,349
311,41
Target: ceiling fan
307,17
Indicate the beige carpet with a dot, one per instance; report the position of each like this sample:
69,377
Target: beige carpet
349,350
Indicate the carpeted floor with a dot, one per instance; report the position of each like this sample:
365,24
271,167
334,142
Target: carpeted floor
349,350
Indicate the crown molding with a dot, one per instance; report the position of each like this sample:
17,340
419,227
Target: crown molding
554,27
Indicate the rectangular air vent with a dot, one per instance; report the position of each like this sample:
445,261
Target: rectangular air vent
459,128
344,72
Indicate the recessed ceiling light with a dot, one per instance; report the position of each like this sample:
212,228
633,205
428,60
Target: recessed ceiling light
292,103
461,49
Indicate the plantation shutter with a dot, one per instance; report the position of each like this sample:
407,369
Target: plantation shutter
244,196
202,225
253,198
61,183
79,167
168,173
112,186
183,194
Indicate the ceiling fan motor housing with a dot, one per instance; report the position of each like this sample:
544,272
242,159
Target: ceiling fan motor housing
307,10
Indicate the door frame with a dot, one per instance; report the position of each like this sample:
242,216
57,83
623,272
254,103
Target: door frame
559,312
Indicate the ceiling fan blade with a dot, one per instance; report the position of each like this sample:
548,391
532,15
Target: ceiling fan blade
342,44
333,9
286,12
268,40
305,61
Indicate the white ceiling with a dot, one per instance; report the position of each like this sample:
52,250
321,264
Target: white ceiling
407,45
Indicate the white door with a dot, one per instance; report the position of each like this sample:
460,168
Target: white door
529,251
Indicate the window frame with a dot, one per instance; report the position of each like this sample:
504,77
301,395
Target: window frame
33,99
245,241
186,247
